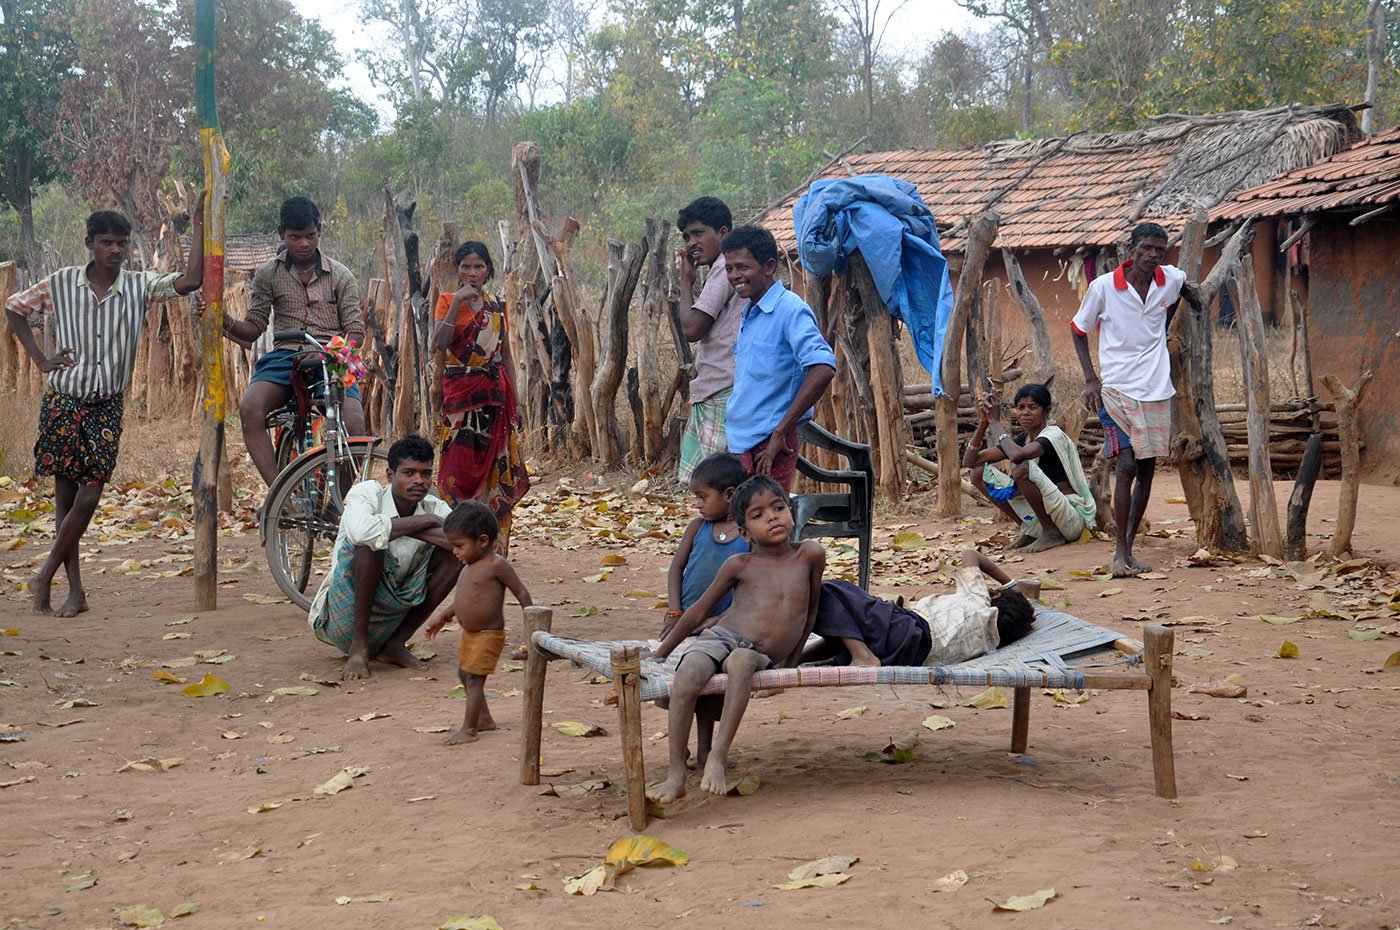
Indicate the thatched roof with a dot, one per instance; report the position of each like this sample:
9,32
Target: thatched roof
246,253
1365,177
1088,189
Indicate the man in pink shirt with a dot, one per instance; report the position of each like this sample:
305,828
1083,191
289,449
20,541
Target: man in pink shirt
1131,310
711,321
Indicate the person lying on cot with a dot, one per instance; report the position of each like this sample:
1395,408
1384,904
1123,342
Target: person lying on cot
775,589
1046,492
941,629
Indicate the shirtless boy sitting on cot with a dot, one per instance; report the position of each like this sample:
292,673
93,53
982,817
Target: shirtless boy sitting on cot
775,600
478,605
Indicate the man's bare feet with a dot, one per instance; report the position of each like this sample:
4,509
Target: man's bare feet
861,656
868,661
40,590
76,604
398,654
713,780
357,666
461,736
672,789
1137,564
1049,539
1123,568
1021,542
486,724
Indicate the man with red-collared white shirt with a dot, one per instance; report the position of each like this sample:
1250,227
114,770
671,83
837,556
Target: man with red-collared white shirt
1131,310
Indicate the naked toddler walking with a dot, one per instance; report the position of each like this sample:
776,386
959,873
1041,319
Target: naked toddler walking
478,604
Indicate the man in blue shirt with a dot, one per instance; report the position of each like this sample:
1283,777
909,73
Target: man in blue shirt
782,363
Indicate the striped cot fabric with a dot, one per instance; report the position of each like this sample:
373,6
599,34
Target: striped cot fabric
1054,655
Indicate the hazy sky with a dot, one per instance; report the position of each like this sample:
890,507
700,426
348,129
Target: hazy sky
915,25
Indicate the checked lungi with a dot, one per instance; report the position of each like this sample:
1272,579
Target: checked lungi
335,624
1146,425
704,433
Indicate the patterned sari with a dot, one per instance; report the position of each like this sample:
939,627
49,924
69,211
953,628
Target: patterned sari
479,443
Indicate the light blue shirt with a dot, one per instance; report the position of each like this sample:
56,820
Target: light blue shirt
778,341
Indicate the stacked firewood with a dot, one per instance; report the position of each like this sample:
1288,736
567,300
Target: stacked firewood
1290,424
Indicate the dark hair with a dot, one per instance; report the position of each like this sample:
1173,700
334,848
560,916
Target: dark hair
759,241
1036,392
413,448
473,247
720,471
298,213
471,519
746,492
107,221
1142,230
1015,615
711,211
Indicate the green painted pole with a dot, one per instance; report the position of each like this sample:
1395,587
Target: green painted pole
212,385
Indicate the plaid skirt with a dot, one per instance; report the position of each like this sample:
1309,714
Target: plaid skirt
78,439
335,624
704,433
1146,425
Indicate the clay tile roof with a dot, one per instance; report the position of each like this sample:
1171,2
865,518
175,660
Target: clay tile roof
1088,189
1367,175
246,253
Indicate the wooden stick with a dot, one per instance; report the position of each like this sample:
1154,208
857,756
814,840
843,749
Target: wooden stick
1044,370
1263,509
978,242
1020,719
1347,401
532,718
627,673
1158,644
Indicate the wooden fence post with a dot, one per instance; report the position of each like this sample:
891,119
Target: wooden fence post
1263,508
978,241
1347,400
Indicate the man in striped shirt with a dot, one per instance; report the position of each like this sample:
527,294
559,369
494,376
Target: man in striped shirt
97,311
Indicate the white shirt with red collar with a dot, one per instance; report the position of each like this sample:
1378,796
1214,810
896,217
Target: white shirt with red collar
1132,331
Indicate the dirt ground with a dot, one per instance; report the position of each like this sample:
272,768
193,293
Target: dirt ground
1288,806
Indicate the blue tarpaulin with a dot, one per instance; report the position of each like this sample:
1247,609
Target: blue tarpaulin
886,221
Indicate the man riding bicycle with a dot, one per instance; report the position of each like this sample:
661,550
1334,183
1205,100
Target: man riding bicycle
299,290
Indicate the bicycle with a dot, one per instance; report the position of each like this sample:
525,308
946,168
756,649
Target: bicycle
301,517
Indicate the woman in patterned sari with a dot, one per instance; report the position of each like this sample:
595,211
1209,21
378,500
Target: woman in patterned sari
480,444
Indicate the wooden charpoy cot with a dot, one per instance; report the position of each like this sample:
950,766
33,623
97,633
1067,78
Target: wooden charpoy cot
1061,651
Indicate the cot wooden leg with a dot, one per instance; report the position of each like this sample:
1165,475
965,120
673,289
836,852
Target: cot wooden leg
532,719
1020,719
1158,645
627,673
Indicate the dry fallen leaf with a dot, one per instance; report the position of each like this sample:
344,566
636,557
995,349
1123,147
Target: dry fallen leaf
296,691
936,722
184,910
586,883
206,687
1025,902
990,699
745,786
852,712
248,852
264,807
827,865
341,780
820,881
372,715
151,765
1232,686
161,674
576,728
265,599
1289,650
484,922
277,738
140,916
951,882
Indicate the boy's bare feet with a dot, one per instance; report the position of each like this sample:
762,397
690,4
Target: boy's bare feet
1049,539
672,789
41,594
357,666
1137,564
713,780
398,654
1021,542
76,604
461,736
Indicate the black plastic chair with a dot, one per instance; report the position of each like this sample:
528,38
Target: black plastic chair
841,514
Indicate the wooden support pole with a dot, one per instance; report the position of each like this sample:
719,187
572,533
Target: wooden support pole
532,717
1043,369
624,271
1158,644
891,433
217,166
1198,444
1020,719
1267,537
1347,401
979,240
1295,541
627,673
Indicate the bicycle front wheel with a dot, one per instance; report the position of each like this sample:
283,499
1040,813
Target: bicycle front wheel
303,515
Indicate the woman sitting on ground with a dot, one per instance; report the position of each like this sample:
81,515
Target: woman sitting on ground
1046,492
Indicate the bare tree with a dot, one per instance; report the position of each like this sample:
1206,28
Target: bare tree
1375,58
870,24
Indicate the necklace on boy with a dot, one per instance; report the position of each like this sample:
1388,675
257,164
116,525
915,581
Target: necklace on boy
723,536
